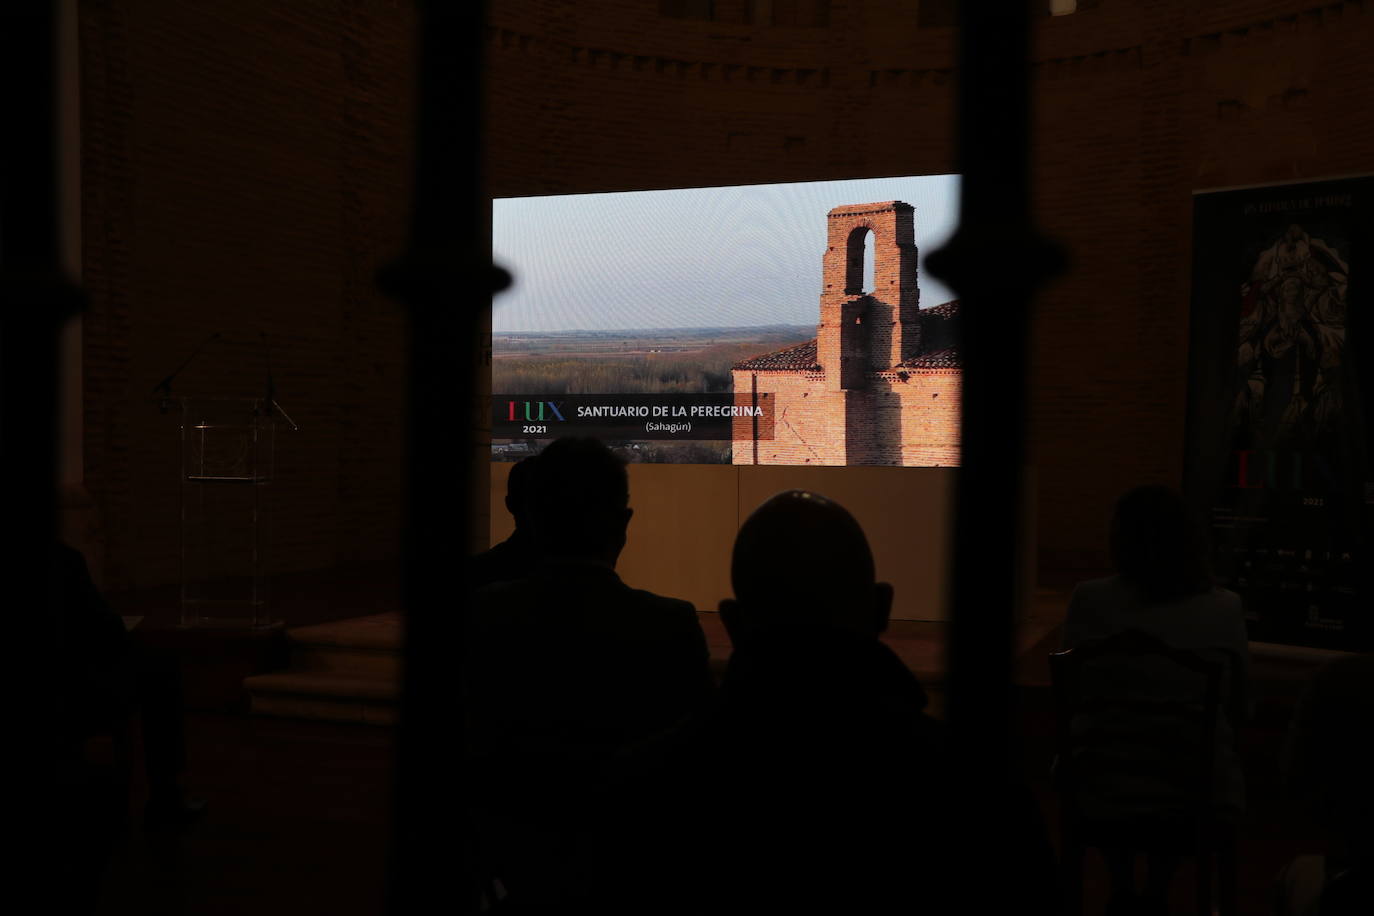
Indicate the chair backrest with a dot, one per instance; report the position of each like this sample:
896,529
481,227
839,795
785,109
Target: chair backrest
1067,673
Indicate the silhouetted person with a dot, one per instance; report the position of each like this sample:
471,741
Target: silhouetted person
816,714
568,665
818,783
514,557
1163,587
109,677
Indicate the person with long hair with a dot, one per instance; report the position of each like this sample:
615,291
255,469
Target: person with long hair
1163,587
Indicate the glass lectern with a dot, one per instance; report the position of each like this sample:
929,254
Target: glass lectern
226,471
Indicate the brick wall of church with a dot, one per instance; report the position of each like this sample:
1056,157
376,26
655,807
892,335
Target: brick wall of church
909,418
891,332
808,423
929,402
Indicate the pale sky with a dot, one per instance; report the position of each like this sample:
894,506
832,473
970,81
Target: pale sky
700,257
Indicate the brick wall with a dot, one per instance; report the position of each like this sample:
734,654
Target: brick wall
928,423
888,322
245,167
1137,104
808,425
860,408
908,417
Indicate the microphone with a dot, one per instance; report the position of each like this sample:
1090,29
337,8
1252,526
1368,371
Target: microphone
270,401
165,386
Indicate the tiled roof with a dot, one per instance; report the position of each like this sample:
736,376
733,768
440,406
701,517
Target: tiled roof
948,310
939,339
798,358
947,358
943,355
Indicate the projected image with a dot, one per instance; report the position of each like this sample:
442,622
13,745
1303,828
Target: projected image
768,324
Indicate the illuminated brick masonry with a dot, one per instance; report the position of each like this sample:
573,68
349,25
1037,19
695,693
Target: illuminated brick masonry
880,383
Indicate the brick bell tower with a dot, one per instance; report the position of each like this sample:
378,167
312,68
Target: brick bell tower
866,330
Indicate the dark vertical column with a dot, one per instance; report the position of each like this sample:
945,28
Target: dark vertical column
35,300
445,279
995,261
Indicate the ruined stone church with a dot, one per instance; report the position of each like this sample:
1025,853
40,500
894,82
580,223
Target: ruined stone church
880,383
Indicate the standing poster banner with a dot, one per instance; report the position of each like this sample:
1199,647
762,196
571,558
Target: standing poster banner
1278,454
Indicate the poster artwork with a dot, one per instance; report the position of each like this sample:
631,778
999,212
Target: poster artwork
1291,344
1278,455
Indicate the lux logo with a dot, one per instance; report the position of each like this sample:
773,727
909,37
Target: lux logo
535,411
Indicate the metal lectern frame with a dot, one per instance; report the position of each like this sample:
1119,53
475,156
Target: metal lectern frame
227,463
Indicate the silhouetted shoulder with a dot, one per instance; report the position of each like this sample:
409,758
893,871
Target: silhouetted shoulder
633,615
662,605
572,658
511,559
590,599
492,592
1092,607
1104,607
1228,599
492,596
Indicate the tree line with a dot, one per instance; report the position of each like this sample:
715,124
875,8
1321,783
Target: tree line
692,372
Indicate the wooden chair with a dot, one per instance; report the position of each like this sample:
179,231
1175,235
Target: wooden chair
1198,832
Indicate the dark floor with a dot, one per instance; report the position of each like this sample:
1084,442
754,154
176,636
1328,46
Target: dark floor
299,814
297,824
299,810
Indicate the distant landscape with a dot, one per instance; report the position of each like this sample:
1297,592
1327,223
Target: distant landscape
686,360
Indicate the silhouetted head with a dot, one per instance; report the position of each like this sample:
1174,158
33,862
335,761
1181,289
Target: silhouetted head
519,486
802,559
1158,545
579,505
